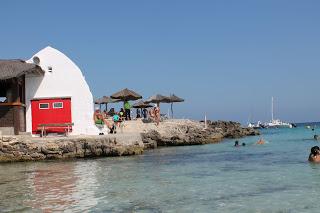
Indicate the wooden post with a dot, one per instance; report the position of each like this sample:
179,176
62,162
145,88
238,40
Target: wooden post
15,98
16,119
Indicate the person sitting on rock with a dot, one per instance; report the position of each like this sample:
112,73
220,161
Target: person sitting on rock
99,120
314,155
116,121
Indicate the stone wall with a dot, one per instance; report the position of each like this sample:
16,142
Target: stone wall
30,149
137,136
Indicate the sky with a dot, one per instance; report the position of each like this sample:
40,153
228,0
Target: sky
226,58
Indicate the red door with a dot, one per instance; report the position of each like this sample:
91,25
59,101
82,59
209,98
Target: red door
50,111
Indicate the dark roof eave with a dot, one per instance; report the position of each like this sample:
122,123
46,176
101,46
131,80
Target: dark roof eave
15,68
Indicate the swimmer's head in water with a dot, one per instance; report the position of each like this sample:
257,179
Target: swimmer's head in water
243,144
315,150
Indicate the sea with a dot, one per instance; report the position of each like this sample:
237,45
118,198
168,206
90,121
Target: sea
275,177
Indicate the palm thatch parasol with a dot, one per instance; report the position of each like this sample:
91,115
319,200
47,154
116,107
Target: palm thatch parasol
141,105
174,99
126,95
157,99
106,100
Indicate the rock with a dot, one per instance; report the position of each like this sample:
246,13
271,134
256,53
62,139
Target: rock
29,149
188,132
37,156
145,136
231,129
150,145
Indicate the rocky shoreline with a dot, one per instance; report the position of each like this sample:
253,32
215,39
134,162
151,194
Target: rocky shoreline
185,133
136,137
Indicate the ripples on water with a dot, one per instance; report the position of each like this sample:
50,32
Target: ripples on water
213,178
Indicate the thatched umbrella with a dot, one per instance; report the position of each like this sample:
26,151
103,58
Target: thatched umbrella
141,105
174,99
126,95
157,99
106,100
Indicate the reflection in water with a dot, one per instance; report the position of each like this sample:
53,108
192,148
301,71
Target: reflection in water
13,188
48,186
86,185
53,188
210,178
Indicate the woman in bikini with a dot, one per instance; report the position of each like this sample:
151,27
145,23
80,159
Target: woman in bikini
99,120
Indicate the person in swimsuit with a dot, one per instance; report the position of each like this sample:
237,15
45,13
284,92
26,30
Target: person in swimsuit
99,120
260,142
157,115
152,114
314,155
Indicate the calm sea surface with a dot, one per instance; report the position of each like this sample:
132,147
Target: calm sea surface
275,177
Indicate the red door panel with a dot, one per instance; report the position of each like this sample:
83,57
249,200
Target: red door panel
50,111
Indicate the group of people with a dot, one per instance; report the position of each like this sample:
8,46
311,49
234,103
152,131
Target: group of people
314,155
259,142
236,144
154,114
101,119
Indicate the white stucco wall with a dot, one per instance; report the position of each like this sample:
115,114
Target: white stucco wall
65,80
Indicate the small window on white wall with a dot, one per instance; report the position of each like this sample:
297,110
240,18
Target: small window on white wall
44,106
57,105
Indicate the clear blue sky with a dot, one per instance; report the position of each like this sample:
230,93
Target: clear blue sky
226,58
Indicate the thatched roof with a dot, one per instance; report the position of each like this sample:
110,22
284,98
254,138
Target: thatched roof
174,98
126,95
16,68
141,104
158,99
106,100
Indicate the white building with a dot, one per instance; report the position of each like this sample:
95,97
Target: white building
59,95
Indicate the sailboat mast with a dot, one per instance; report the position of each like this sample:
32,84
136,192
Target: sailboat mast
272,109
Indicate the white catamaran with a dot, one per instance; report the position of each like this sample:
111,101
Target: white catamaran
277,123
257,125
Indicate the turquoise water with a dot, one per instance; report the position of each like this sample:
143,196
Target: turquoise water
275,177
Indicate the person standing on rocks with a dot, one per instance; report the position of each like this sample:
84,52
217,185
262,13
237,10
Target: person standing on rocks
157,114
127,108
